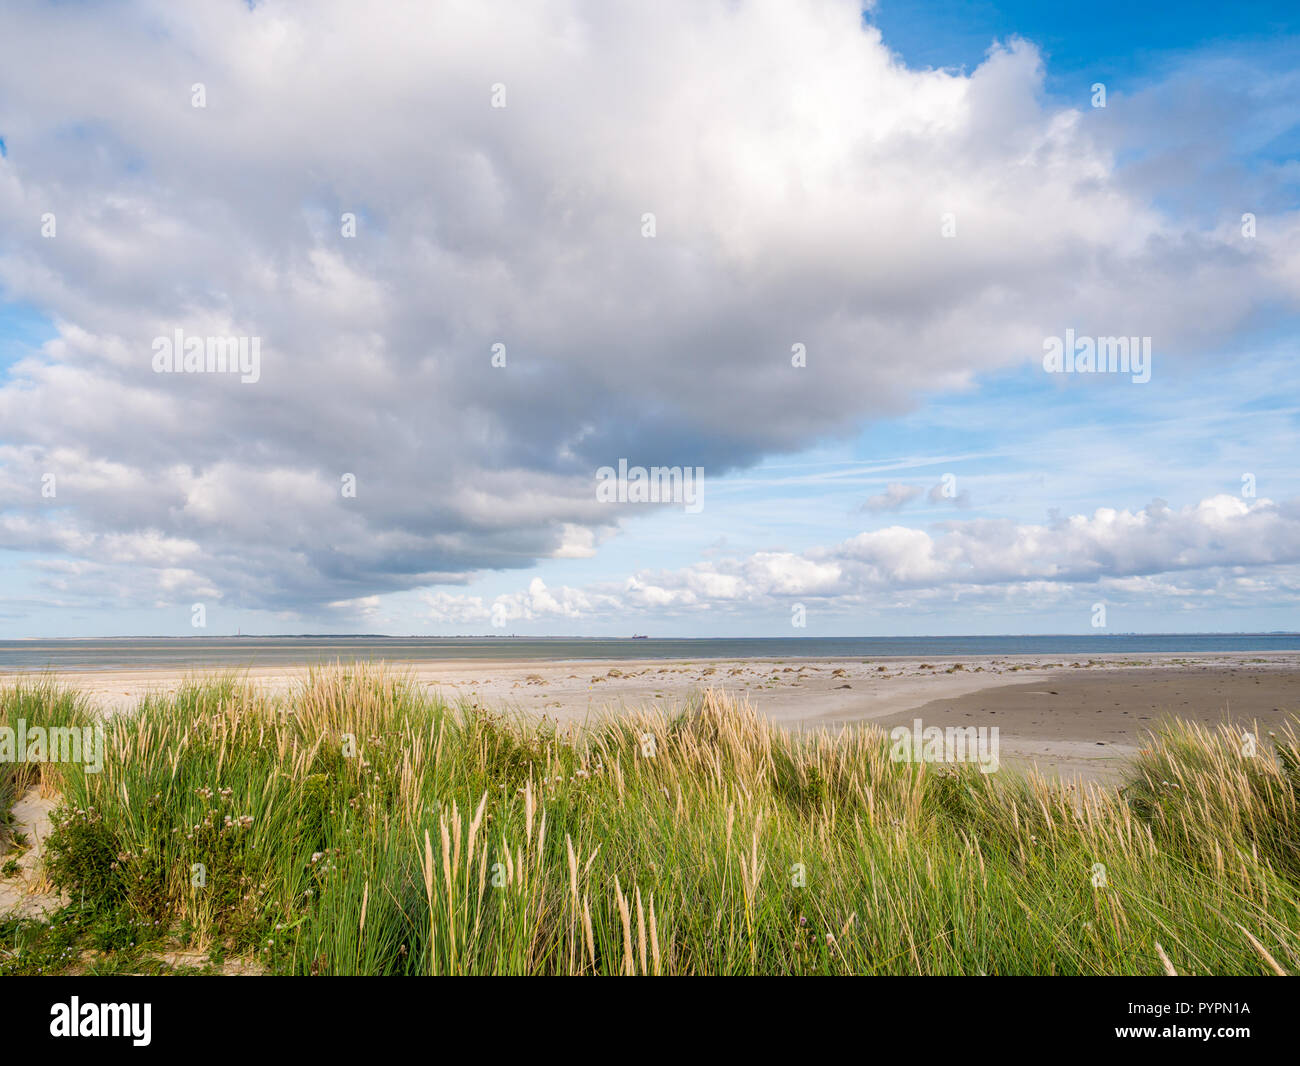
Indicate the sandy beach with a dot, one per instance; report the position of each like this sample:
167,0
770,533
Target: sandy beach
1065,716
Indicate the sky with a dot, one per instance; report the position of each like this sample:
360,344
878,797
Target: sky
476,255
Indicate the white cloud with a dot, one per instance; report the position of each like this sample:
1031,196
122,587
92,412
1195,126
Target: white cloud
894,498
1204,549
798,172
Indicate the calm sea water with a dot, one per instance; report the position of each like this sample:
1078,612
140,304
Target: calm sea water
196,652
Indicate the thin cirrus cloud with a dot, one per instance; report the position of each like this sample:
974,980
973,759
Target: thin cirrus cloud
797,171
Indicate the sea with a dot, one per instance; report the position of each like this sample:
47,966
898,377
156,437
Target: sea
114,653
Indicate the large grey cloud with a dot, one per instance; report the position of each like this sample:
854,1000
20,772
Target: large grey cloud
798,172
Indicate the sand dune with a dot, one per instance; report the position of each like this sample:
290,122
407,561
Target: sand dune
1065,715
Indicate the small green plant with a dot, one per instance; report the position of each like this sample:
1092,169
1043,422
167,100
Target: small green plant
83,858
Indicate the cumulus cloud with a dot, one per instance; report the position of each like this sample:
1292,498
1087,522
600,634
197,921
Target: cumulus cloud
1207,548
537,602
797,172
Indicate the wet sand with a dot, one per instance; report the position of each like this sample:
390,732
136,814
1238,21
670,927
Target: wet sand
1067,716
1090,723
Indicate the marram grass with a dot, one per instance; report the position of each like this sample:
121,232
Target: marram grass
36,702
360,826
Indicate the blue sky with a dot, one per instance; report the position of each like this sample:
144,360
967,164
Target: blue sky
805,205
23,330
1082,43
